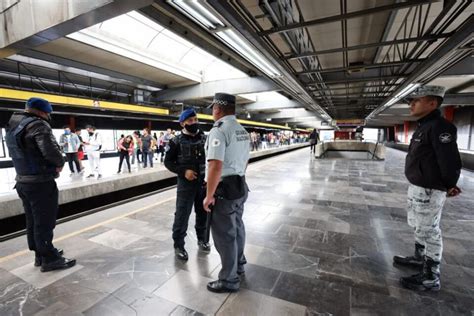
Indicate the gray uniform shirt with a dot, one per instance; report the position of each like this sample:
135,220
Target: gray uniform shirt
228,142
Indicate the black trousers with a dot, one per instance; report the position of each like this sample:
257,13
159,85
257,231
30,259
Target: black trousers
189,193
72,157
124,154
40,202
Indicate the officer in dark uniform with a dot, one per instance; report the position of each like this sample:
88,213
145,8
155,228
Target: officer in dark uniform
38,160
432,166
227,155
186,158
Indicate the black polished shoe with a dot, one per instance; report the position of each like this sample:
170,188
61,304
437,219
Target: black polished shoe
204,246
181,253
59,264
241,273
218,287
38,260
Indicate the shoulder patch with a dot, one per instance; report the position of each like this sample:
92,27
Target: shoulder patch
445,138
219,124
215,142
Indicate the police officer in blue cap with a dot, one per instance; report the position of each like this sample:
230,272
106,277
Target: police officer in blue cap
186,158
38,160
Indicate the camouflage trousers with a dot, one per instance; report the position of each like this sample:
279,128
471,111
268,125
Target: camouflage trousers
424,215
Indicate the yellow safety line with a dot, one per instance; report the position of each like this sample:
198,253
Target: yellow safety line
19,253
79,102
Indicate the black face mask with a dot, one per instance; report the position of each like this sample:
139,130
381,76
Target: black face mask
48,118
91,133
193,128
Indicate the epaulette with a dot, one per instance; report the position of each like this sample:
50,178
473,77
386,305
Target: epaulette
218,124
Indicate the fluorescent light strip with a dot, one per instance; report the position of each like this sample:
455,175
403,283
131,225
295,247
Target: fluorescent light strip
200,13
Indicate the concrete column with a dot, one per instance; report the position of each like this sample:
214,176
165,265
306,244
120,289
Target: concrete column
395,133
72,123
449,112
406,127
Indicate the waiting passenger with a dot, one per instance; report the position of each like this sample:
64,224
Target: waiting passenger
186,158
80,150
161,147
433,167
137,143
38,160
125,147
147,148
93,147
70,143
313,140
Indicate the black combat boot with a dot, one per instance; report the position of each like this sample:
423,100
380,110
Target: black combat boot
415,260
428,280
58,264
38,259
181,253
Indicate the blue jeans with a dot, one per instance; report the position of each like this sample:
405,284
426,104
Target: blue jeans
147,155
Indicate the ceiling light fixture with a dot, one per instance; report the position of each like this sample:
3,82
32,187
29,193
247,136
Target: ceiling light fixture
199,13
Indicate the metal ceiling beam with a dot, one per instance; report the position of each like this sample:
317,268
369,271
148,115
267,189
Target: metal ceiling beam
208,89
342,75
272,105
431,65
357,87
464,67
67,65
459,99
368,66
369,79
346,16
286,113
371,45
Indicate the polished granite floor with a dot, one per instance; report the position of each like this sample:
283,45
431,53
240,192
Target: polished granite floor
320,238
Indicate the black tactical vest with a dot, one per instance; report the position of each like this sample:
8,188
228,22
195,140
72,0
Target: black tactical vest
191,151
26,162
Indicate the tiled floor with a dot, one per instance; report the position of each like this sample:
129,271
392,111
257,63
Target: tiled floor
320,238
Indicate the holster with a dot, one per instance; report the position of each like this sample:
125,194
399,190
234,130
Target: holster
232,187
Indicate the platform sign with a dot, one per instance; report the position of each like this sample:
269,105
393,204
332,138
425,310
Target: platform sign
348,123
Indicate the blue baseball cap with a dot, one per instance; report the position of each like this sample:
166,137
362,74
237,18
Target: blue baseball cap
39,104
187,114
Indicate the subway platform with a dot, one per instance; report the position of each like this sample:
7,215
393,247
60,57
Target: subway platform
321,234
77,188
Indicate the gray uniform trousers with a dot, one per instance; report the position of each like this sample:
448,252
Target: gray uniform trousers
424,214
228,232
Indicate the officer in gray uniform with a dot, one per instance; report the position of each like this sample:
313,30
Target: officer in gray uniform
227,154
432,167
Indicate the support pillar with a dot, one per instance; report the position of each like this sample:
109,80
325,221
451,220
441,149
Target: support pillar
449,113
72,123
406,127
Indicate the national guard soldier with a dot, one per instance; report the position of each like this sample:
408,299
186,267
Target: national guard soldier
186,158
38,160
227,155
432,167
